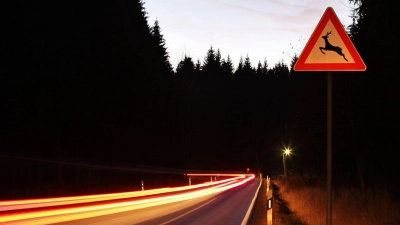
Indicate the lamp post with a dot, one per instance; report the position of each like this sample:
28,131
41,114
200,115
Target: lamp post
286,152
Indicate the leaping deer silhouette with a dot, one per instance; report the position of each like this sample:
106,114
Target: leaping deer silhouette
329,47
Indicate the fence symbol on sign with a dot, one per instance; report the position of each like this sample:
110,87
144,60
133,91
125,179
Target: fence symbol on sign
329,47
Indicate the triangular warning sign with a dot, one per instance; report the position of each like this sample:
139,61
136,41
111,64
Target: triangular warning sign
329,48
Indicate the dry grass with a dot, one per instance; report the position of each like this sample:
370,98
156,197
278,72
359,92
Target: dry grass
282,214
307,199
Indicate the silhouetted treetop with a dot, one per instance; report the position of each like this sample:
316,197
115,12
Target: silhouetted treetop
185,69
293,62
227,67
239,69
210,62
161,60
280,69
248,71
265,68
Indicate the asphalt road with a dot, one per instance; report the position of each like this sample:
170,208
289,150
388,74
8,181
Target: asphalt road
229,208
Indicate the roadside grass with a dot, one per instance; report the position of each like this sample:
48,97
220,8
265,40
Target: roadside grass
281,213
306,197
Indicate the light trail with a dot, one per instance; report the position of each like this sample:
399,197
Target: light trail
217,175
63,209
46,202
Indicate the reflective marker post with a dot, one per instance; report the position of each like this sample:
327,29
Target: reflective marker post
269,202
329,152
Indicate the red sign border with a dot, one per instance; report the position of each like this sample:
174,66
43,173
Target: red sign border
358,64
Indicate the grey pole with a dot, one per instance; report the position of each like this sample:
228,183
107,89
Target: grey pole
329,153
284,166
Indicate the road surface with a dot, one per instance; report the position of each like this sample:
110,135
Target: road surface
229,207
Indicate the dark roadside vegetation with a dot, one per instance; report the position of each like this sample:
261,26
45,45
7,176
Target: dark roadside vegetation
38,179
281,213
93,84
301,199
27,178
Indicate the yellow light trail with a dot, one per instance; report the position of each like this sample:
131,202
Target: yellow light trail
29,212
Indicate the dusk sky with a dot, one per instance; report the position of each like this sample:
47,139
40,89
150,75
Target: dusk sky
271,29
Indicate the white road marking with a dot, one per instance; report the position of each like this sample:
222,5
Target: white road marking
246,218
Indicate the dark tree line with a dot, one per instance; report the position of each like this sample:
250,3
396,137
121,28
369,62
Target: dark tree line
367,109
94,82
216,68
79,78
249,109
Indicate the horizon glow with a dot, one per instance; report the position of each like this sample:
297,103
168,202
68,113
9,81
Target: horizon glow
274,30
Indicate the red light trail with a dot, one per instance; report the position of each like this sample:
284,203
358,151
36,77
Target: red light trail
62,209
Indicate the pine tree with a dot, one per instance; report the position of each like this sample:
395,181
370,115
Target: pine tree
280,69
95,64
239,70
140,19
185,69
259,70
135,17
265,69
161,56
227,67
248,71
218,65
209,68
218,58
293,62
375,33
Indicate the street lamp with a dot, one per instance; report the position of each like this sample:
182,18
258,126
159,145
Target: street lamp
286,152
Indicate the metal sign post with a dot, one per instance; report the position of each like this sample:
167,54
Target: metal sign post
329,151
329,49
